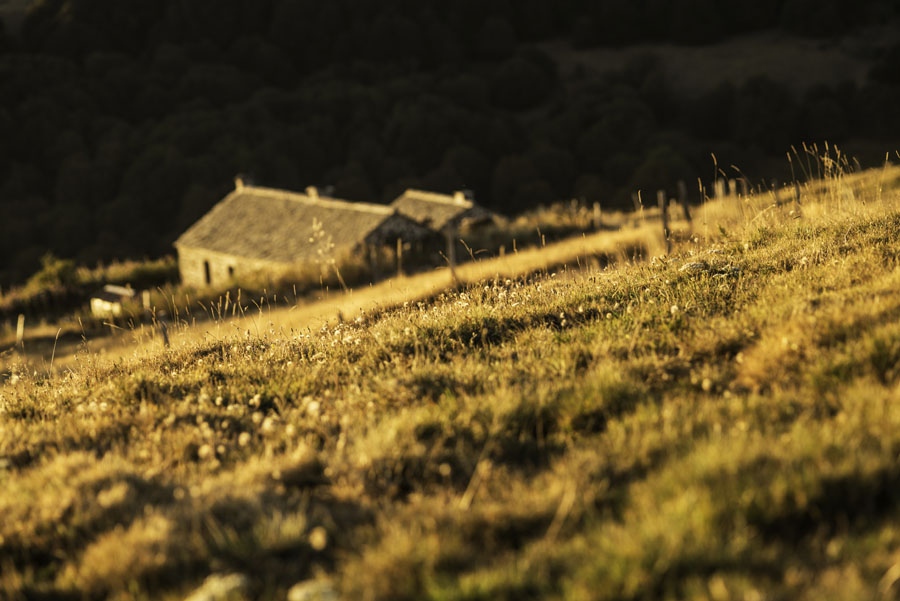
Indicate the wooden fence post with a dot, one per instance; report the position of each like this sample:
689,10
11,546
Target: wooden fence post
399,256
720,188
373,262
20,330
683,200
451,249
597,216
164,330
662,199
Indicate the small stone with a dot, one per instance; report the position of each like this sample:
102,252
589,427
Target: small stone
318,538
220,587
312,590
694,267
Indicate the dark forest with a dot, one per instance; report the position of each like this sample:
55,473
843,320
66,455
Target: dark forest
123,122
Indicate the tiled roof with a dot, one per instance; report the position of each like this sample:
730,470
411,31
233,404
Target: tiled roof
284,227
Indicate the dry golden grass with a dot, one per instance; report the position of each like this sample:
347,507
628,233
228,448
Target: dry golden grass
722,423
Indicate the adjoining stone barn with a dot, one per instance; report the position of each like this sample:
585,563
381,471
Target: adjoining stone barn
256,229
451,215
446,213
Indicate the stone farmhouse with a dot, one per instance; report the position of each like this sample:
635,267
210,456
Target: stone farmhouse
444,213
264,229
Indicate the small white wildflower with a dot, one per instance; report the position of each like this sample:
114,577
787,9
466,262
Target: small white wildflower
257,417
269,425
312,408
318,538
205,452
244,439
674,309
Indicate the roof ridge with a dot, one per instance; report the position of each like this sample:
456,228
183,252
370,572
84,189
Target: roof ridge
323,201
437,197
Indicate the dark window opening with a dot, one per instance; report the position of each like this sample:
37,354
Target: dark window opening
231,271
206,273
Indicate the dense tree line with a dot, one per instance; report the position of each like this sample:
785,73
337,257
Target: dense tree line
121,123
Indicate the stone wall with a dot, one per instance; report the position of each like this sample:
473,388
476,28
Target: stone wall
196,265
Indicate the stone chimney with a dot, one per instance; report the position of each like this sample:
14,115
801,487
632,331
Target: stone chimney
459,197
238,182
312,192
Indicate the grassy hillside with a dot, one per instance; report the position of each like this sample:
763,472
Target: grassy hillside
720,424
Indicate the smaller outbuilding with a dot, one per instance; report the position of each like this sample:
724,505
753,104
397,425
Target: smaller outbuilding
109,302
446,213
